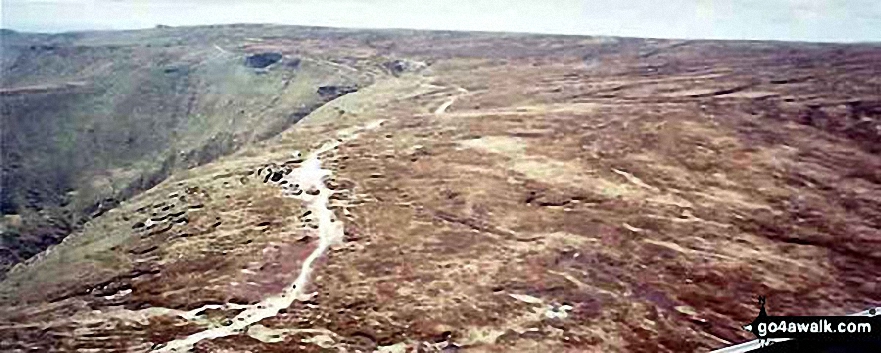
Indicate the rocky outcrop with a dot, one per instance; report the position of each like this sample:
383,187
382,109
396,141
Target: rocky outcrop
335,91
262,60
397,67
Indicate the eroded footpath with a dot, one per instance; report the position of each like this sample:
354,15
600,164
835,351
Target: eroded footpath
306,183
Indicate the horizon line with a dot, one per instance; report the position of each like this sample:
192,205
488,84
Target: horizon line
160,26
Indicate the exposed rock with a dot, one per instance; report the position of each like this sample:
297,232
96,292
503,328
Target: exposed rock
335,91
262,60
398,67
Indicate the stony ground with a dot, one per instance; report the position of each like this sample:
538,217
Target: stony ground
521,194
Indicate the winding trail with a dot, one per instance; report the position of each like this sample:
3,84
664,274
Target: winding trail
443,107
310,176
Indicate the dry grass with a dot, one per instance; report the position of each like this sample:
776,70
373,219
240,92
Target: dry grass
654,204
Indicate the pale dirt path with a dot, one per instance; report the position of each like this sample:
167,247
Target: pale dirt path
443,107
224,51
310,175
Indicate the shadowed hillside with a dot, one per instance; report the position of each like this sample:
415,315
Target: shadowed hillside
90,121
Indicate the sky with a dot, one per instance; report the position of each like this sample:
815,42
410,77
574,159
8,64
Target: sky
800,20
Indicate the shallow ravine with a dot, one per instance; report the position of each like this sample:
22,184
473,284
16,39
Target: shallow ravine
307,179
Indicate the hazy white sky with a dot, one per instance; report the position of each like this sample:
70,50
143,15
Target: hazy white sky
809,20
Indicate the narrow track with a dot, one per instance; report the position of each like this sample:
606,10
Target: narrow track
309,176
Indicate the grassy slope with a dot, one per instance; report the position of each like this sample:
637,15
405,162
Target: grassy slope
90,120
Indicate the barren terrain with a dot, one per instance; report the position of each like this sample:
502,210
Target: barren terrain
490,192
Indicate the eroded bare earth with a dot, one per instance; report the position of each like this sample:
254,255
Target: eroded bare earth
522,193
